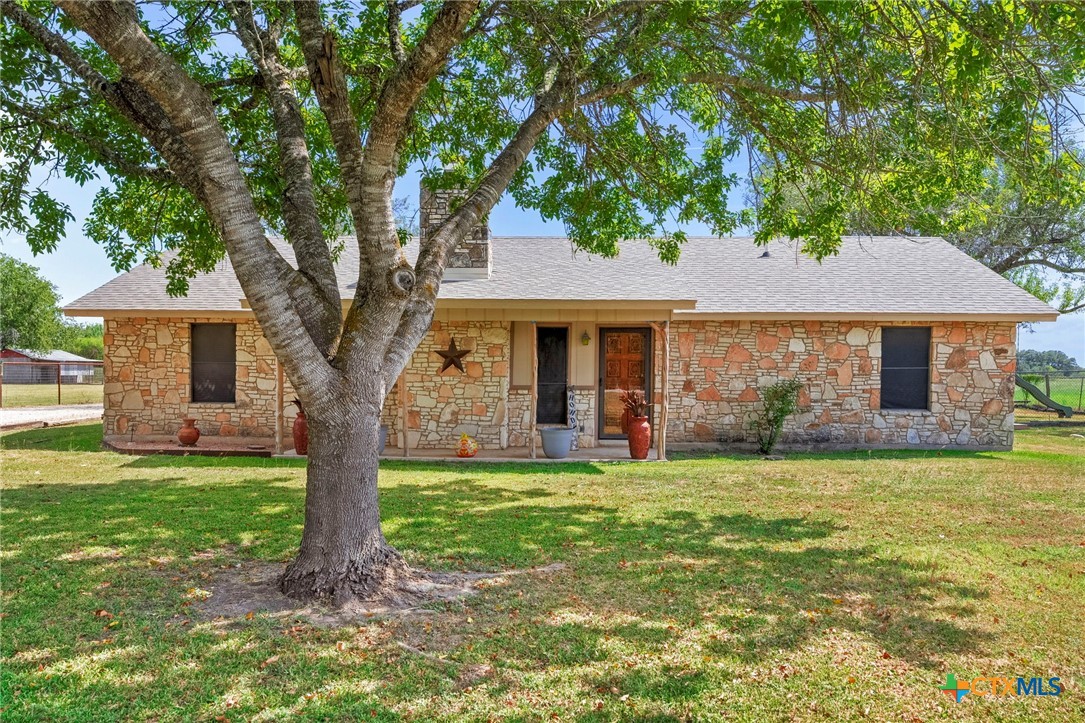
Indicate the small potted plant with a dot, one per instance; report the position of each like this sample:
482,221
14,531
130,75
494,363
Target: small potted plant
640,431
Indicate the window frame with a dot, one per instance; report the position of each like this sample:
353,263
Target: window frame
194,364
887,371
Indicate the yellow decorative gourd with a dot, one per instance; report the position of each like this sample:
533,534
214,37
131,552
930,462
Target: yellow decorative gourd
468,446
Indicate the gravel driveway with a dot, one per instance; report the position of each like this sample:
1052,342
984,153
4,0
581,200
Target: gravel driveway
19,416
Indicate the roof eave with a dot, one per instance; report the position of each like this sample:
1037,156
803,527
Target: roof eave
106,311
1018,317
444,303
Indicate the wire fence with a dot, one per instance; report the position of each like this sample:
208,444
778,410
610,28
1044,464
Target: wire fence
1066,388
42,384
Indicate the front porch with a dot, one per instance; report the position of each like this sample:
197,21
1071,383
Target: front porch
219,446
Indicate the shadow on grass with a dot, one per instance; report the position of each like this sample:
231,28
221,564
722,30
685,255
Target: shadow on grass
482,468
861,454
770,584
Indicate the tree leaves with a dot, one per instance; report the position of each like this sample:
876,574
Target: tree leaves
29,307
882,112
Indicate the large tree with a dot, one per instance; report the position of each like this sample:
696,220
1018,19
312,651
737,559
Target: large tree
1030,230
30,315
218,124
1034,237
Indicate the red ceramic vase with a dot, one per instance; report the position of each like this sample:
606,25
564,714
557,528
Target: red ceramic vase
301,434
640,437
188,435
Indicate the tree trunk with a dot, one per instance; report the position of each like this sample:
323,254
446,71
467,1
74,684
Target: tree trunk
344,556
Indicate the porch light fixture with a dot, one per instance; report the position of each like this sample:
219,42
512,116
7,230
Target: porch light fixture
585,339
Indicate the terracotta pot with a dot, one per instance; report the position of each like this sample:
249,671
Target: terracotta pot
625,422
188,435
640,437
301,434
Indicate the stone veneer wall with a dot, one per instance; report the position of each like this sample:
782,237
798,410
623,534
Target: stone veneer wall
719,366
717,369
520,417
148,383
442,407
475,251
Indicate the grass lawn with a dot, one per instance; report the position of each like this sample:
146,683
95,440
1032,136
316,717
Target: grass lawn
43,395
817,588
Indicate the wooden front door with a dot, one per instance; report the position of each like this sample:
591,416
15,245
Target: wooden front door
624,363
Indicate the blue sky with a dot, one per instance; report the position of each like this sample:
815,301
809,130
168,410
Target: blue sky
79,265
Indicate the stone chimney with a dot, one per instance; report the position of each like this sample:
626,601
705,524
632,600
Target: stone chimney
472,259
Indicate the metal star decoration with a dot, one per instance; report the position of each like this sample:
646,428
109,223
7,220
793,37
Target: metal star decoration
453,357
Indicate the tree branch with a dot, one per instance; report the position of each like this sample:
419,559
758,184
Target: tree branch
1072,309
610,90
326,76
265,277
299,201
433,253
104,153
715,80
397,100
1054,265
395,42
128,100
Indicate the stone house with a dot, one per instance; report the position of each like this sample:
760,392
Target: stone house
898,342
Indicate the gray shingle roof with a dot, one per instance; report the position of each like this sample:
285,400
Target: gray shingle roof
53,355
887,276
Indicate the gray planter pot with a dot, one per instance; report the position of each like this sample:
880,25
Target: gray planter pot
557,441
382,439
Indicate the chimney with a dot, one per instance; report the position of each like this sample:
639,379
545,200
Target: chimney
472,258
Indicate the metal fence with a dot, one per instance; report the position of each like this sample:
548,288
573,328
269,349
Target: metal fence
39,384
1063,387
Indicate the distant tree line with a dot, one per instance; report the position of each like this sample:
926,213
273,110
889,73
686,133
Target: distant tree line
30,315
1029,360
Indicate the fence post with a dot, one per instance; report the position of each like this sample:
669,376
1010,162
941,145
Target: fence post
1081,393
58,383
1047,383
1,384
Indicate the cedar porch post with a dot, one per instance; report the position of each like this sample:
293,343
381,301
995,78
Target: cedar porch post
278,407
534,385
663,331
665,370
402,384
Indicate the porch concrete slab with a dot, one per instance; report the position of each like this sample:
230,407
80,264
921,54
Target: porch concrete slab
209,445
512,454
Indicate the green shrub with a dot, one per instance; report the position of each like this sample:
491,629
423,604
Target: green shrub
781,401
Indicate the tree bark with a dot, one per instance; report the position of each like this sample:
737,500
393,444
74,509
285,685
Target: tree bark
344,556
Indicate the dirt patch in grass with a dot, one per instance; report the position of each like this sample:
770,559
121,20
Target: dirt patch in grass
251,589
